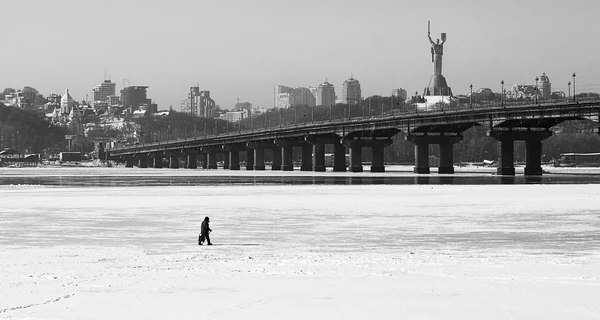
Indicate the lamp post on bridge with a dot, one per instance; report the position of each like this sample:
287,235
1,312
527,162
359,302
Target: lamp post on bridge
536,89
574,86
569,84
502,94
471,97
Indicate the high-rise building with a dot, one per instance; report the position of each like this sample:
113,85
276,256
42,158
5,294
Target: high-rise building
133,97
303,95
287,96
351,91
283,100
400,94
325,94
104,90
243,106
200,103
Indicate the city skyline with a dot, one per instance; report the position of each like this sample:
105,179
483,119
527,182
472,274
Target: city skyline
384,45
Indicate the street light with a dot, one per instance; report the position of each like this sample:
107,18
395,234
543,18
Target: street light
536,89
574,86
471,97
502,94
569,84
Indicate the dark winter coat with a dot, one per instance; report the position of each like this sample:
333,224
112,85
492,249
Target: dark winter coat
204,228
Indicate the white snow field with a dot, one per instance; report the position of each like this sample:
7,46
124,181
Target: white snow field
300,251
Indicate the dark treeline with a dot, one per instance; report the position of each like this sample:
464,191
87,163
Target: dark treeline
28,132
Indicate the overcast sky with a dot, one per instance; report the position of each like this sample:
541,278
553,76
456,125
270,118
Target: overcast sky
241,49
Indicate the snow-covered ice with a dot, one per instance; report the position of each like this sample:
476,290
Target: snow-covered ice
300,251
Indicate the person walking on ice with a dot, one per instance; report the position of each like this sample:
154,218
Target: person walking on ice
204,232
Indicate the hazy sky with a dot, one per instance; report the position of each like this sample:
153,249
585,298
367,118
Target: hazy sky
241,49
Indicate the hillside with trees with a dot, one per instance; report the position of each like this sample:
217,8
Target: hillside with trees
28,132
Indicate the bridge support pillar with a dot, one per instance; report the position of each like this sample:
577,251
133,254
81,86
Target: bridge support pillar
421,158
533,149
234,160
226,159
447,154
250,159
192,161
377,145
355,155
276,165
149,161
339,157
506,157
319,141
445,142
174,161
306,157
203,160
377,163
533,157
142,162
157,161
287,152
259,158
318,157
211,159
287,163
129,162
233,151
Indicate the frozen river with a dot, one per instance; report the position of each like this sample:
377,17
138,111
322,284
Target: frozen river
121,244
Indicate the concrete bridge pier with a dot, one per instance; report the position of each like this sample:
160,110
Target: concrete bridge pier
149,161
533,157
211,158
318,151
355,147
234,159
203,160
287,163
533,150
259,159
421,158
506,153
157,160
129,161
250,159
192,160
447,153
226,159
258,156
377,154
142,161
318,157
276,165
339,157
306,157
446,143
174,160
287,153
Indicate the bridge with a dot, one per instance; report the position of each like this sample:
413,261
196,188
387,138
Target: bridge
442,126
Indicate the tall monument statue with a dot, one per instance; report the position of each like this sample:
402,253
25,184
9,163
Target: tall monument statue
437,50
437,84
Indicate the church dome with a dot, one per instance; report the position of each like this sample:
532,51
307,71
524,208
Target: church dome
544,78
66,97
